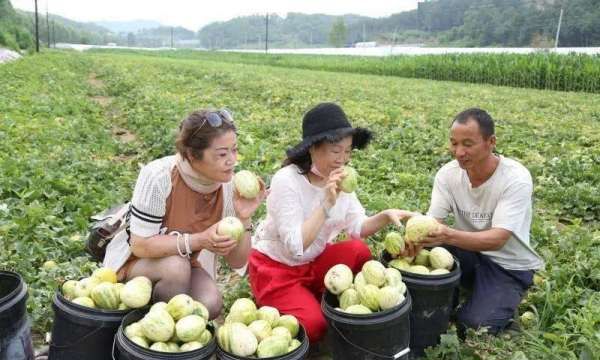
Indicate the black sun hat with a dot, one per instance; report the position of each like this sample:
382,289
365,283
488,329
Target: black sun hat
327,121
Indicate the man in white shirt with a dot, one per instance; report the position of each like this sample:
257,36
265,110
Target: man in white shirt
490,198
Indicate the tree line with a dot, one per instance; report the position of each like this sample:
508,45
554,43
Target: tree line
441,22
476,23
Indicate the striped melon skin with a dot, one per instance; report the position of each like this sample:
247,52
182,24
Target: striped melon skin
106,296
158,325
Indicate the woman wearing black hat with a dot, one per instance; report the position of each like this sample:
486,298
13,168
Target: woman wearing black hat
306,211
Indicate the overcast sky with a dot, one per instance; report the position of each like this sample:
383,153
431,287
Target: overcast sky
193,14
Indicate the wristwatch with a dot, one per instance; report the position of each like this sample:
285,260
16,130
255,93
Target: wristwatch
250,227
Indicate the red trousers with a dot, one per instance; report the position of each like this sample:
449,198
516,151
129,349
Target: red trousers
297,290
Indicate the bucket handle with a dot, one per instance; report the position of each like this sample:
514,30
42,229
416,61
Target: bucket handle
395,356
112,353
52,344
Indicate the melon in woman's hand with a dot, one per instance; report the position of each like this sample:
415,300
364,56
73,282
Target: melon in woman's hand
350,182
232,227
247,184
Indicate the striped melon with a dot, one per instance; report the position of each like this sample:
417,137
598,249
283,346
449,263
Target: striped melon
106,296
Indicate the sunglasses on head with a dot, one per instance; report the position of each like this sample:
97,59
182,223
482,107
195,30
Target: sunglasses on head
216,119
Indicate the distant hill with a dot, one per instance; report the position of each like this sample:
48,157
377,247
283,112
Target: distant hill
442,22
15,31
83,26
128,26
67,30
436,23
294,30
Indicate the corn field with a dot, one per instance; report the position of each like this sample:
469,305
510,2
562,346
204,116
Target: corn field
575,72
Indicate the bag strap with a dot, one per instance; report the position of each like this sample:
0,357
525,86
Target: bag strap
111,212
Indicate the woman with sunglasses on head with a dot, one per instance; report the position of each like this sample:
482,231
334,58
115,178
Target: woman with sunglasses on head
177,203
306,211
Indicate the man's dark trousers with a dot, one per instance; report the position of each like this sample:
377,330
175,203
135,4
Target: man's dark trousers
496,291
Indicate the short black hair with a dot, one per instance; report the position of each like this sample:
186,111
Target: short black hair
483,119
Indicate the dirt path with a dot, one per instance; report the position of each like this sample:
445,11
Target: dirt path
111,111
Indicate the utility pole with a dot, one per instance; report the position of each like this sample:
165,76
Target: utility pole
47,24
558,29
54,33
171,37
393,41
267,34
364,33
37,30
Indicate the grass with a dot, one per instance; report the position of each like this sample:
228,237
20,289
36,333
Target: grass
540,70
63,159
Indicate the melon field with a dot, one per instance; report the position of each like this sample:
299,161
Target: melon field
76,127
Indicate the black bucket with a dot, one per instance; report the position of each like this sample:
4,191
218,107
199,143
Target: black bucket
15,333
80,332
126,349
301,352
381,335
432,305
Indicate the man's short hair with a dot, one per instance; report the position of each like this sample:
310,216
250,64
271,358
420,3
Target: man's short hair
483,119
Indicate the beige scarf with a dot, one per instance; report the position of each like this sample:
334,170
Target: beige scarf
193,179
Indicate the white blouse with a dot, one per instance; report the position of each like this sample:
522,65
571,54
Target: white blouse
292,201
